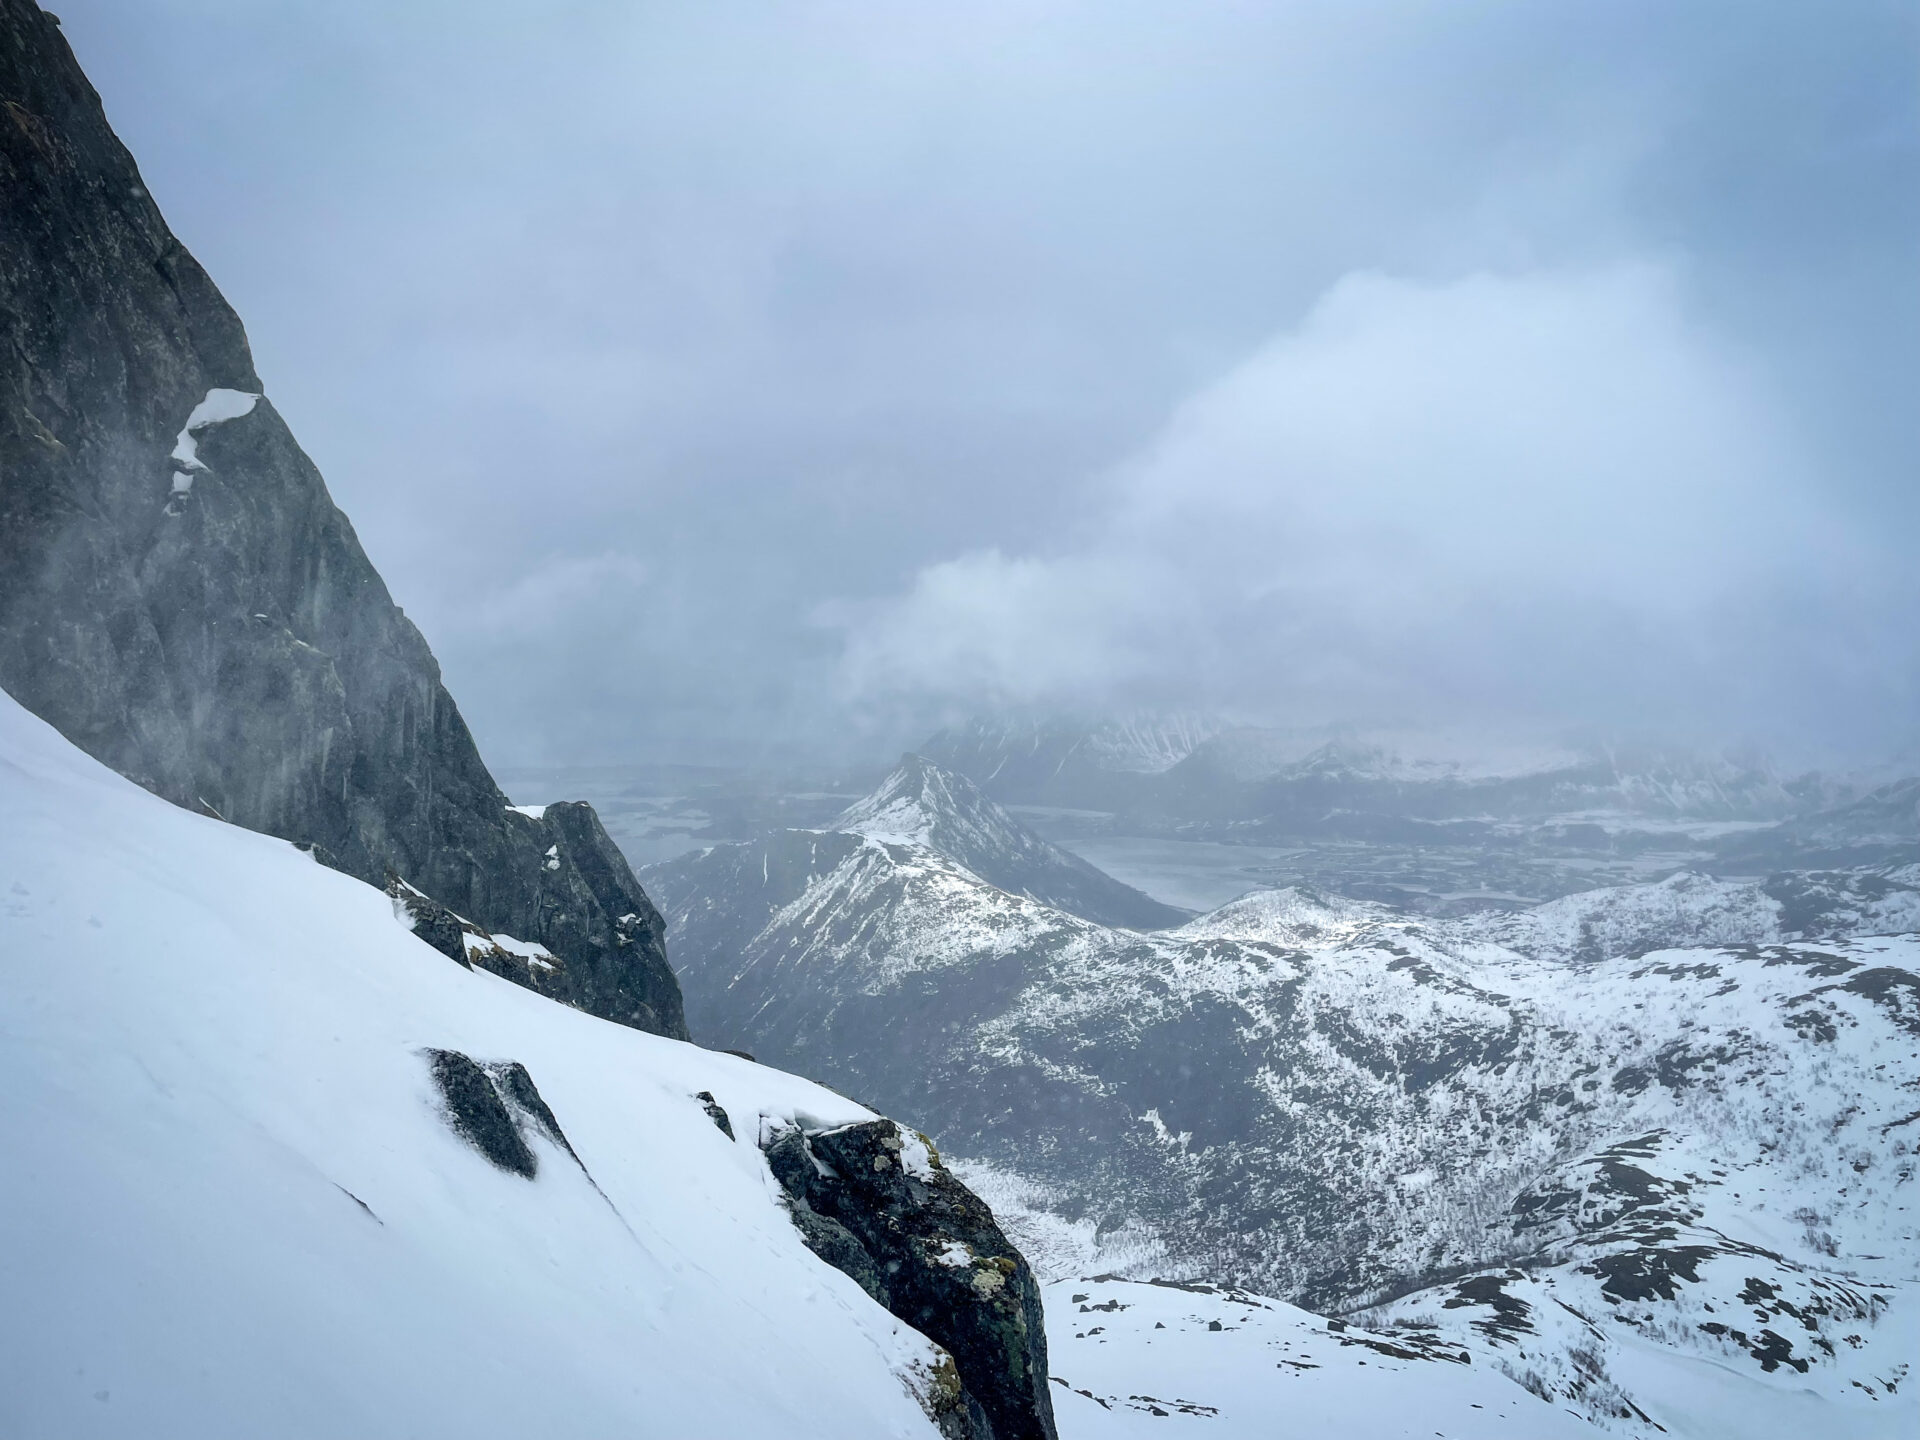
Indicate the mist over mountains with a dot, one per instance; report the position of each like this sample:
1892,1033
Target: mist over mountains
1401,913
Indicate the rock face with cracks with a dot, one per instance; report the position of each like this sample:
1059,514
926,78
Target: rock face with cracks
874,1201
180,596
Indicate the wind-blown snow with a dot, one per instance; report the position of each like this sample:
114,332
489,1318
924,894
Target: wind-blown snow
229,1207
217,408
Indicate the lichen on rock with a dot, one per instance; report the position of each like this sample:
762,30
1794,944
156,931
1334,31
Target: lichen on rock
875,1202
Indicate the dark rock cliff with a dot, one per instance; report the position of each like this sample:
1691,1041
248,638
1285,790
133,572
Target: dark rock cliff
180,596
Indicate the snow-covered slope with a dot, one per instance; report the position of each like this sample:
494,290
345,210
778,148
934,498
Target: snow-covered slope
1153,1360
924,805
231,1205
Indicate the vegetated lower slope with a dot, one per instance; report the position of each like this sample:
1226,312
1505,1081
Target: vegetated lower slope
922,804
180,596
236,1204
1338,1103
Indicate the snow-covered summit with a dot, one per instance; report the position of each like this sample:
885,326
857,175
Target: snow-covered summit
925,805
919,801
1290,916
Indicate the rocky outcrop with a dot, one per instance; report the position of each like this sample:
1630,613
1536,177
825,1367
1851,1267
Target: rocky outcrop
180,596
493,1107
874,1201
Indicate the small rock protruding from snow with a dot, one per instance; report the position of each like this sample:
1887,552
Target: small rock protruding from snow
716,1112
430,920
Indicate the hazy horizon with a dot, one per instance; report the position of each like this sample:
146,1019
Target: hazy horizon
783,382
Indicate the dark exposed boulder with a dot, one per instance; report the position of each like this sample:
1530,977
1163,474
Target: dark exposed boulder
493,1106
840,1248
478,1114
181,598
875,1202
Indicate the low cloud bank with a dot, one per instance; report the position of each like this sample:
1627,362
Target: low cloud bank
1544,497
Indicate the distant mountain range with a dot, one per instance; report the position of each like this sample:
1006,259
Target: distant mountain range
1881,827
1064,761
1619,1101
1196,778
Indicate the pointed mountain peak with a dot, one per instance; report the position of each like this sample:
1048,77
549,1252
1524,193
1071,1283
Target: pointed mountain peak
920,803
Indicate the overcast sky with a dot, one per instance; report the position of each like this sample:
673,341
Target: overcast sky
717,378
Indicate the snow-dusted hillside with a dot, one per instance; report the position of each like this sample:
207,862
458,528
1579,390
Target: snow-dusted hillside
1339,1103
233,1205
1693,909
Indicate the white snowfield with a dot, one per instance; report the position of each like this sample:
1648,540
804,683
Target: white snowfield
229,1206
1132,1359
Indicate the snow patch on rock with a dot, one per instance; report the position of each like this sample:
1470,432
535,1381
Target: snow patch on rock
217,408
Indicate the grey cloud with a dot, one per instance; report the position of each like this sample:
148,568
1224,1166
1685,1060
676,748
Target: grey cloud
1544,495
669,357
